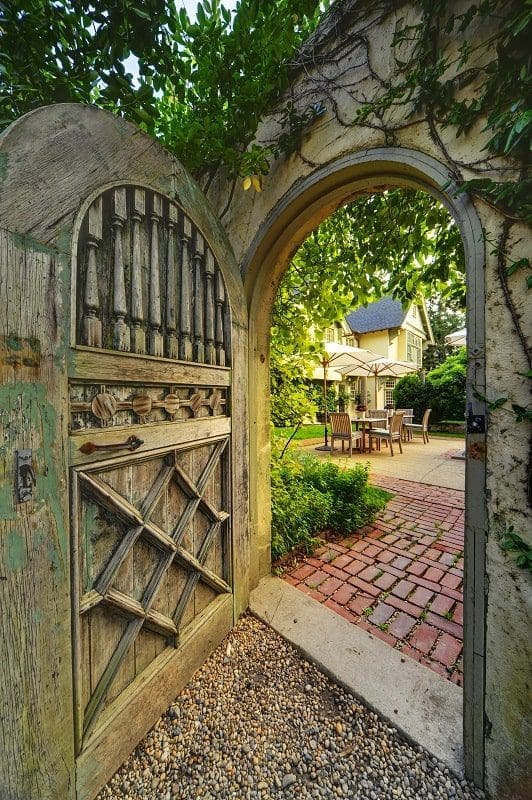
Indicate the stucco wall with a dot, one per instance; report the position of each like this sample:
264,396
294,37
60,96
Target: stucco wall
265,229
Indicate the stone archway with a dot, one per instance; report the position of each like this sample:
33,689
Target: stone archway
291,219
341,68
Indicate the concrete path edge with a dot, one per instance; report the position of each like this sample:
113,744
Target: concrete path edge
423,706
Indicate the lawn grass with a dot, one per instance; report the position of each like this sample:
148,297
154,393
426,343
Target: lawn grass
304,432
316,432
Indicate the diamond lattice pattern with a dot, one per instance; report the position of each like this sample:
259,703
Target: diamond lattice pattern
154,552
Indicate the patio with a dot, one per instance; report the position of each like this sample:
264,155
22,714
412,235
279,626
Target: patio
435,463
400,578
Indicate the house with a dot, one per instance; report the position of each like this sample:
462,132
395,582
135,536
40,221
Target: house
395,331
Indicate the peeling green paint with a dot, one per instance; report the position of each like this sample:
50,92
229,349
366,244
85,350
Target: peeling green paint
16,550
27,420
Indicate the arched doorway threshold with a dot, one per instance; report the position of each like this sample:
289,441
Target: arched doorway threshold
298,212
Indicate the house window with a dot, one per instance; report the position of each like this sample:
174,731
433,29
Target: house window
350,340
389,387
414,311
354,389
413,348
329,335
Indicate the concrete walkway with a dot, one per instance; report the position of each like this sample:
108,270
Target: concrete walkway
431,463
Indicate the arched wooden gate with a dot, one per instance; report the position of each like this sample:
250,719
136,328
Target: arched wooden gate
125,324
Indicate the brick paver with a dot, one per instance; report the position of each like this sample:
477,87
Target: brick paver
400,578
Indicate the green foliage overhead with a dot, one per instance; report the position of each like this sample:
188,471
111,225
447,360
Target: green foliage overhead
309,496
401,242
202,86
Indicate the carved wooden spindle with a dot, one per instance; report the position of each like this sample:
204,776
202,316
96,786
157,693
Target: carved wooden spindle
172,350
220,299
185,343
91,324
121,335
156,337
210,351
199,347
138,336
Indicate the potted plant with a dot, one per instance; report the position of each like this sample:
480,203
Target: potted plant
360,406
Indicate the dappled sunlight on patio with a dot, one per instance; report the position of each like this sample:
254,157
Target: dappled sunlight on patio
436,463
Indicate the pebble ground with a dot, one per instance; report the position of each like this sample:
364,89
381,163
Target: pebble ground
258,721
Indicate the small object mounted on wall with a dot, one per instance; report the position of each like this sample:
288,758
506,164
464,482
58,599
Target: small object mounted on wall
25,480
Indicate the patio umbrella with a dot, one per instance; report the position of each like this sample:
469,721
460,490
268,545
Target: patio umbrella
380,367
341,358
456,339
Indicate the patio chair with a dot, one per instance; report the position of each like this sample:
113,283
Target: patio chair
423,428
379,413
342,430
407,419
391,435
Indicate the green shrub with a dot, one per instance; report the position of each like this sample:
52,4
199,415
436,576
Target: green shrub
443,390
411,392
309,496
448,387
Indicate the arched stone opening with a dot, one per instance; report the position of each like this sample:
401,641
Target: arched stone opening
300,210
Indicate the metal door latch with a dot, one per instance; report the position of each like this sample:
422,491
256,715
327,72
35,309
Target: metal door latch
25,480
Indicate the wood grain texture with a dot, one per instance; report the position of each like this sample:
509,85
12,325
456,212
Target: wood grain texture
104,366
43,278
155,688
36,746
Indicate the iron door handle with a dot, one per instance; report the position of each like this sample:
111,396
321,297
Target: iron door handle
131,444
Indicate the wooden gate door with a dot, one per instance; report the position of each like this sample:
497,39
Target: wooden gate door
149,406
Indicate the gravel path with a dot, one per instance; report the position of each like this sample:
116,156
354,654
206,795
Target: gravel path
258,721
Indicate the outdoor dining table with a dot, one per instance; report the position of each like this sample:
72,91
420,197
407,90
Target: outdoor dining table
368,422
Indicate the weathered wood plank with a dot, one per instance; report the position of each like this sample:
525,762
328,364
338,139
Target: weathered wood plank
156,436
106,366
36,747
154,690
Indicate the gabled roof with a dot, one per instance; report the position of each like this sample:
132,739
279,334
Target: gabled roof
385,313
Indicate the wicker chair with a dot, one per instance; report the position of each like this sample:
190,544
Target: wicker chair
342,430
391,435
423,428
407,419
378,413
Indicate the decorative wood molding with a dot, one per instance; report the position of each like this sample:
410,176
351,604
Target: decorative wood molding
101,405
149,282
149,546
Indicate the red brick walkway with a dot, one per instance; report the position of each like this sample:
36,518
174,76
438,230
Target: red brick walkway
401,577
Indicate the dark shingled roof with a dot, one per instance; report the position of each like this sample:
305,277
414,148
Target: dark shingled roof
385,313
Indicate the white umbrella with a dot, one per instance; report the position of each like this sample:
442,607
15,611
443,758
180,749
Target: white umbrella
456,339
341,358
380,366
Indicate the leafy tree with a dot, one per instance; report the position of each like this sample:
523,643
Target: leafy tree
447,384
444,319
291,400
411,392
202,86
401,242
